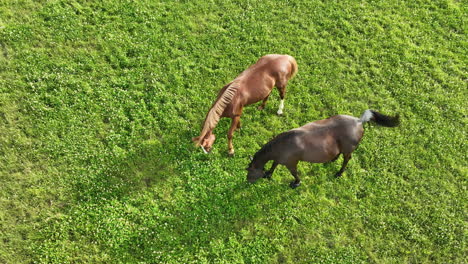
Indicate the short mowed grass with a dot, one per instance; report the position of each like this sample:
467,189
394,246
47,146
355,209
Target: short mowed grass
99,101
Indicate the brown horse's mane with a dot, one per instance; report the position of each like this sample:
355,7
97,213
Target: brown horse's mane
225,97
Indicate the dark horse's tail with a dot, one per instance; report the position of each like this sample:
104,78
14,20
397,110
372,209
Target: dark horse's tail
380,119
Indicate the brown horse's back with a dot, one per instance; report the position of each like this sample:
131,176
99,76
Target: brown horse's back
270,70
271,64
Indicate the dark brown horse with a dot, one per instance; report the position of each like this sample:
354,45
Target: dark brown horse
318,142
251,86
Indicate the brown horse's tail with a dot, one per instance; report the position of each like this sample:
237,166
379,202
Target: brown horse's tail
293,66
380,119
225,97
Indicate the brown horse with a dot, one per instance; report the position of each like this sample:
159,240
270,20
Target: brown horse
251,86
318,142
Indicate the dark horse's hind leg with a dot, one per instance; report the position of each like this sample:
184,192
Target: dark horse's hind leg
346,158
272,169
293,169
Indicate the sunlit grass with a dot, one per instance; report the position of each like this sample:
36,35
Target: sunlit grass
99,101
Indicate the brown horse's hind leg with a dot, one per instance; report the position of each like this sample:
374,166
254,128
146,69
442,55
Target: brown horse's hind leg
346,158
282,92
262,106
293,170
234,124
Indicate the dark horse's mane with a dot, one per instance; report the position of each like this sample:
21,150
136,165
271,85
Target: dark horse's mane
267,148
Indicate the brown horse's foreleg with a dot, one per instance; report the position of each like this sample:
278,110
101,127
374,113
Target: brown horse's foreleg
262,106
238,125
269,173
293,170
346,158
234,124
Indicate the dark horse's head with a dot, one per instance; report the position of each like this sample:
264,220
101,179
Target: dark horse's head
256,168
253,173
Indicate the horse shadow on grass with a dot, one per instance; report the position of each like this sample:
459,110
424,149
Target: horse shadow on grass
184,200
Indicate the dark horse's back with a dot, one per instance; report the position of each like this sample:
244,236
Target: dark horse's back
320,141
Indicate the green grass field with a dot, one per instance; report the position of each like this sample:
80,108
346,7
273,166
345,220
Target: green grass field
99,101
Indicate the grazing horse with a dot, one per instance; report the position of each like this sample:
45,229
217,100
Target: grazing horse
251,86
318,142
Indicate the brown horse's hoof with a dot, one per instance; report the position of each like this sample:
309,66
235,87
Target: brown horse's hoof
231,153
294,185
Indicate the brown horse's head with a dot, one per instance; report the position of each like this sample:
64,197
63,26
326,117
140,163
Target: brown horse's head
207,142
254,174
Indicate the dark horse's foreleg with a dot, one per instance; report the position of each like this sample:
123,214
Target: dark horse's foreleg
234,124
346,158
293,170
272,169
335,158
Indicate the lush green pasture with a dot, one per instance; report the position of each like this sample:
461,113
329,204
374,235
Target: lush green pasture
99,101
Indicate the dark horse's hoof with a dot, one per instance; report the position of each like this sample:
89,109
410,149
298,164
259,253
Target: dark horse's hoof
267,176
294,185
337,175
